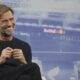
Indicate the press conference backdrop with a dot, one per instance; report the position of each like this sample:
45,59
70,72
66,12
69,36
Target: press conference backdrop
52,28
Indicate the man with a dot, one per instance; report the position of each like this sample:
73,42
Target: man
15,55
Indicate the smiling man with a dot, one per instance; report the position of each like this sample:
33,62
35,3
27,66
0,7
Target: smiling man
15,55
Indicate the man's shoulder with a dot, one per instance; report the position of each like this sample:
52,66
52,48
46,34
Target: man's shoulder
17,40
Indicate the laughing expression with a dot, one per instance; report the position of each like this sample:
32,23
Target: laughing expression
7,23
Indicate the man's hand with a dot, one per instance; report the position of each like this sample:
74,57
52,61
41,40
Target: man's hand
6,53
18,54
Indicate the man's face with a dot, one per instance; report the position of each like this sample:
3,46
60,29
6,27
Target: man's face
7,23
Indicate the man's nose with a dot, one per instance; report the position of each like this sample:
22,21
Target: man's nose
9,23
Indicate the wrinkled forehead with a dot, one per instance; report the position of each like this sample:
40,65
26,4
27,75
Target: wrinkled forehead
7,15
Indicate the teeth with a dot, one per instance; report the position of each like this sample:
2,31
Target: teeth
10,28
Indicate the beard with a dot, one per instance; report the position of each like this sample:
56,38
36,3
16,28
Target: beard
5,32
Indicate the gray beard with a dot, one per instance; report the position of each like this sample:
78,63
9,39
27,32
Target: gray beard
4,33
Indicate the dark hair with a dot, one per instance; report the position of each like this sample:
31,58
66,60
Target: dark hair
4,9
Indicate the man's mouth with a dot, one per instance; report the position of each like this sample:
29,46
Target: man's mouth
9,28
